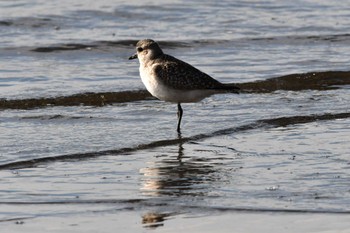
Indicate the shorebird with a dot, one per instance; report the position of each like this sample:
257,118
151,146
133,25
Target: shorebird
170,79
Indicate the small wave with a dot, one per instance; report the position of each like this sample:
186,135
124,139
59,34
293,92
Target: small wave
269,210
30,22
64,47
90,99
168,44
267,123
293,82
103,45
53,117
6,23
297,82
150,202
303,39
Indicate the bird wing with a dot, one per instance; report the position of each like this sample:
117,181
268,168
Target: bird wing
181,75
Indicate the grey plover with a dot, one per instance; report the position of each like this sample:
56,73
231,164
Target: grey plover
170,79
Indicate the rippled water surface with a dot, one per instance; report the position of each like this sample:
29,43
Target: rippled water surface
84,147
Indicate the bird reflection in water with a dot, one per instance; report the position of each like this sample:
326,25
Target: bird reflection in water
175,174
154,219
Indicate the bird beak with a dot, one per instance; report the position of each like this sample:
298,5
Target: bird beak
133,56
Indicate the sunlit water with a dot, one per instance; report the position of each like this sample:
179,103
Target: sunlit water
124,162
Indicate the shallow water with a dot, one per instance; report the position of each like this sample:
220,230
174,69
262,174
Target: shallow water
84,146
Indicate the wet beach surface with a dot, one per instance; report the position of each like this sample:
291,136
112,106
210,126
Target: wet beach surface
84,147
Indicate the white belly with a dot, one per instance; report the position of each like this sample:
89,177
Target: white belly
169,94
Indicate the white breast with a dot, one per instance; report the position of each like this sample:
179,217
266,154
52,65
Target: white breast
169,94
149,79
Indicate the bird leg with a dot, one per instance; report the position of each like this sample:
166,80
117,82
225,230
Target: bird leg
179,116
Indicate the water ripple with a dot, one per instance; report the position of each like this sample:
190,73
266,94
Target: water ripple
293,82
267,123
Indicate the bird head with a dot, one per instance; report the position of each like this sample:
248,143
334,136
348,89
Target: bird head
146,50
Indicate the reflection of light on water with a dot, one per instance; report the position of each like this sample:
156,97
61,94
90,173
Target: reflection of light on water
150,182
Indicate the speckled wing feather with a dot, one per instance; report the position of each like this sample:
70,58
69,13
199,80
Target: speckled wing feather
182,76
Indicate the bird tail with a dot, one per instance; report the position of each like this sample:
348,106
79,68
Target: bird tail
230,87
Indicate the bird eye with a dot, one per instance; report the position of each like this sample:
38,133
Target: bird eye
139,49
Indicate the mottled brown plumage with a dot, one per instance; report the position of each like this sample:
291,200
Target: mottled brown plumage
173,80
181,75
